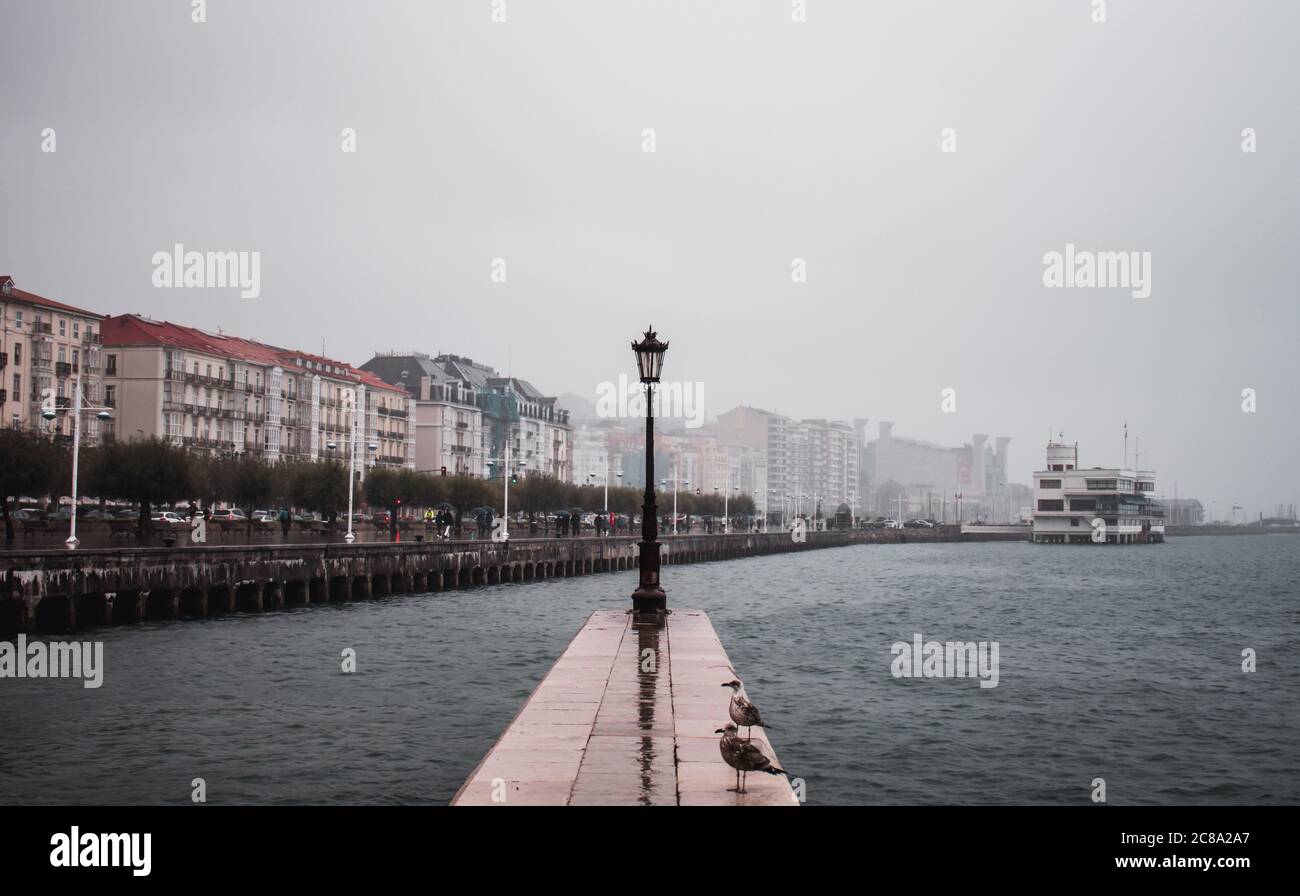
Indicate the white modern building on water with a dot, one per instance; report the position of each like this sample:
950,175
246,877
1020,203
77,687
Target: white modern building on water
1099,505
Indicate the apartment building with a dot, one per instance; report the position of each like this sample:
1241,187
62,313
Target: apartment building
747,429
213,391
45,347
467,411
447,423
831,455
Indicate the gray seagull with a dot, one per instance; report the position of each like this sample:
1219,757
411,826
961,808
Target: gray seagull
743,712
744,757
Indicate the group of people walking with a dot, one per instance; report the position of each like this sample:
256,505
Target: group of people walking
441,522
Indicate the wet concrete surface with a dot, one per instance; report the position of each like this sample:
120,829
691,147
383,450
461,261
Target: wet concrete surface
626,716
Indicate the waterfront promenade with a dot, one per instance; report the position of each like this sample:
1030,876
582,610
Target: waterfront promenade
626,716
55,589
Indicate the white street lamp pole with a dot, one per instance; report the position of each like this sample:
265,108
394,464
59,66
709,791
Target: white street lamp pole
103,414
76,457
352,463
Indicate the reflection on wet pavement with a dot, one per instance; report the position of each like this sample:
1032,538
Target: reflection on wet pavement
626,716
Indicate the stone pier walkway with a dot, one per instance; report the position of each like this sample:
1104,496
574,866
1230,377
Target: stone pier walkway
626,716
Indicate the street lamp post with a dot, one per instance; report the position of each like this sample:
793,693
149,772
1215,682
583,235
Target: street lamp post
505,496
649,597
352,476
352,463
676,482
102,413
607,471
726,504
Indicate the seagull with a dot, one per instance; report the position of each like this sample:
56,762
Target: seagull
744,757
743,712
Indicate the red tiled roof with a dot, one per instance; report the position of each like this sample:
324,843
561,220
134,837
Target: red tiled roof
23,295
131,329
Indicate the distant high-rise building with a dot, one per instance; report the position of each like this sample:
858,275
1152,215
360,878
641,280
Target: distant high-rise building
915,477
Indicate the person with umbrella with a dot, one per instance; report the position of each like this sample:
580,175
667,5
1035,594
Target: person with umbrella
443,521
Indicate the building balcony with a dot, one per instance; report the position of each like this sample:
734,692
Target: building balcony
202,379
89,338
62,368
207,442
40,328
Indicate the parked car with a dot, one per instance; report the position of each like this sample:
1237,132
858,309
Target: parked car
97,514
169,517
30,514
893,524
918,524
228,515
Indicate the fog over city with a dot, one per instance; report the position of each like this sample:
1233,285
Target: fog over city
773,141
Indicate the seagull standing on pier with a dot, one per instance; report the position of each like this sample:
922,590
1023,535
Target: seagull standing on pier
744,757
743,712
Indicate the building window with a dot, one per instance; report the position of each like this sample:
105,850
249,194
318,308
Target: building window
1045,504
110,367
76,329
1101,485
18,386
1049,483
18,319
1083,503
18,353
63,327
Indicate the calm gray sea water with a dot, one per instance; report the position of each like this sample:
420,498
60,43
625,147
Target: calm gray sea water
1119,663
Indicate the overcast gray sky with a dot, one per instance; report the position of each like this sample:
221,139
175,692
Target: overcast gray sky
774,140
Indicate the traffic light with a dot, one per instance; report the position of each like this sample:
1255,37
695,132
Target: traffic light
444,471
514,478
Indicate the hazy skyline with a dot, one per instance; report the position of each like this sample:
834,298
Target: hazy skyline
774,140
